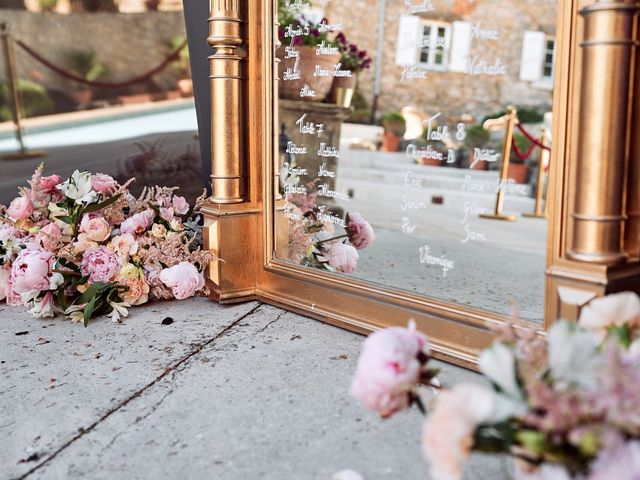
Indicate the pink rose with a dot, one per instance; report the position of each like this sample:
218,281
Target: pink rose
389,367
49,236
20,208
183,279
344,258
361,233
95,227
180,205
49,183
5,273
31,271
138,223
100,265
124,245
104,184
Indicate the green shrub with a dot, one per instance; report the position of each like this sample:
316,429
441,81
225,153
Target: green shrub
395,123
477,136
47,5
525,115
35,100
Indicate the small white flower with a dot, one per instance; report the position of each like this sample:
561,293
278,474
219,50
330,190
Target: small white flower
498,363
44,308
615,309
573,354
119,311
75,313
79,188
55,281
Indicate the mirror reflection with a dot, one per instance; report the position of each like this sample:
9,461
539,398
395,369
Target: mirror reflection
414,145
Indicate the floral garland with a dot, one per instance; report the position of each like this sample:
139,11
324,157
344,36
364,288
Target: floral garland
565,408
85,247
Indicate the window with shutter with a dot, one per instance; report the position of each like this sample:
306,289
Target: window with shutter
533,55
435,41
409,40
460,46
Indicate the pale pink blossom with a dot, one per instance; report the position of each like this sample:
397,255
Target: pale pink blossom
20,208
5,273
124,245
361,233
7,232
448,431
167,213
104,184
95,227
83,243
138,290
49,183
100,265
389,368
44,307
618,461
617,309
183,279
180,205
344,258
31,271
49,236
136,224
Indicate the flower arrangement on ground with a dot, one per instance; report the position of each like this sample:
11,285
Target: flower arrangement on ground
85,247
565,407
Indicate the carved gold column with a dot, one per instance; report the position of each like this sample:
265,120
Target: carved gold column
226,76
607,53
591,251
232,217
632,228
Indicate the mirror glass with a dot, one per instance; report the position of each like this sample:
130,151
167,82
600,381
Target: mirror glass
414,145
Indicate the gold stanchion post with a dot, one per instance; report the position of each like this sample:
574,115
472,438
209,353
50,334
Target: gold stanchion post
511,118
542,159
16,110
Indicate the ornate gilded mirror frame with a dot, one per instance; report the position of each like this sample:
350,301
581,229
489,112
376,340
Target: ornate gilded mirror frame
593,243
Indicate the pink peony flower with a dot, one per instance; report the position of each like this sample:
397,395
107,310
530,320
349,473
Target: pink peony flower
20,208
104,184
361,233
5,273
183,279
31,271
344,258
49,183
13,298
447,436
100,265
389,367
95,227
180,205
49,236
138,223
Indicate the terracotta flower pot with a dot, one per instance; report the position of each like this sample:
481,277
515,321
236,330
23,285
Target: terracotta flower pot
81,97
518,172
390,142
290,88
480,165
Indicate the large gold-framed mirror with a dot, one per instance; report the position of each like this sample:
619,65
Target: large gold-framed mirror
448,131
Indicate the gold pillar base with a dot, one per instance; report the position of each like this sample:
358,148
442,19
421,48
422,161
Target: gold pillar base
499,216
613,258
24,154
535,215
231,233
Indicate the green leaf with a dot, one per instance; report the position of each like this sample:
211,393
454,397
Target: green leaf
88,311
99,206
622,333
67,264
66,219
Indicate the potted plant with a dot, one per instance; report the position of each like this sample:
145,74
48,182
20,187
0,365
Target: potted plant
85,64
48,5
394,128
518,169
299,59
353,60
182,67
477,137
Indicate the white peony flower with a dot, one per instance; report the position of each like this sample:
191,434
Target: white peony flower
616,309
573,354
55,281
498,363
79,187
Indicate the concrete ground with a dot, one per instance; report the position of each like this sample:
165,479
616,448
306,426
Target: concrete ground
239,392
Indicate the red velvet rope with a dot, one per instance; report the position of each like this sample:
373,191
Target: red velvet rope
142,78
520,154
531,138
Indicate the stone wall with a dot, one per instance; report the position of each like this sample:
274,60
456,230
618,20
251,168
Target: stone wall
452,93
129,44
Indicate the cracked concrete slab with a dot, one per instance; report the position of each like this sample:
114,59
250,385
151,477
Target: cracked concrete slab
58,379
264,397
